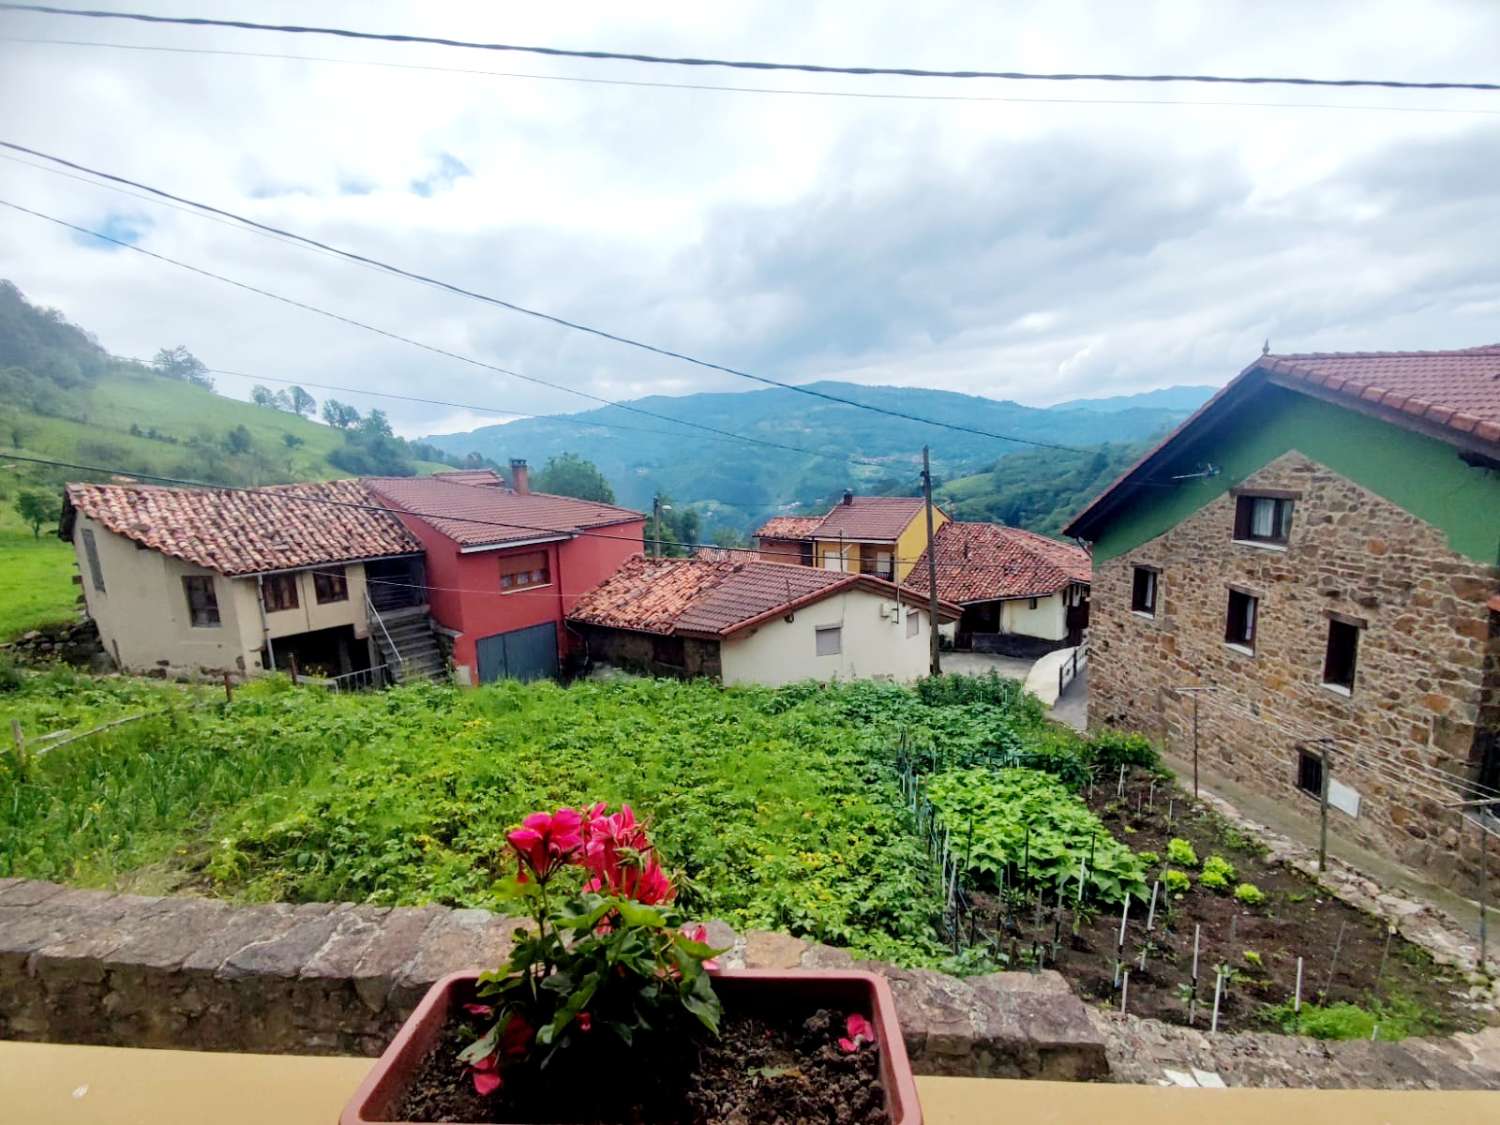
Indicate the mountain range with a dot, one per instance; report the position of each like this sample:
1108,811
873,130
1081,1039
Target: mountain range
834,446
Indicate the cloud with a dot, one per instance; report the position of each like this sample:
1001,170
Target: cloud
1033,250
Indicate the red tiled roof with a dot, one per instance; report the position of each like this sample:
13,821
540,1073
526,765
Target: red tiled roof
244,532
725,554
486,478
479,516
870,518
703,598
1458,391
788,527
981,562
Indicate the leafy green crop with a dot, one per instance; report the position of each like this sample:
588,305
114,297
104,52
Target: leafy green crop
1180,852
1178,882
1025,816
1249,894
1218,873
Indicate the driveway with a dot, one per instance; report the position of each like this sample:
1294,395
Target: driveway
1072,707
983,663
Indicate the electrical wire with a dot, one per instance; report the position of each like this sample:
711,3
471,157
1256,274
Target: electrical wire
741,64
511,306
783,91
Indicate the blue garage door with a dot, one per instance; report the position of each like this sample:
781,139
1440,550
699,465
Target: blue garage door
522,654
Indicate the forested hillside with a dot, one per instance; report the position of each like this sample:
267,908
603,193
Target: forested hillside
1039,490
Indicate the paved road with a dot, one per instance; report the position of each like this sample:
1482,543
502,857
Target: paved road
982,663
1072,706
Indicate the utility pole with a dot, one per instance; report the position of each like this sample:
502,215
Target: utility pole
932,586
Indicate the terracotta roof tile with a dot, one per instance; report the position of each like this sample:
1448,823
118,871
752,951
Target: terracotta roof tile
788,527
696,596
870,518
476,516
243,532
979,562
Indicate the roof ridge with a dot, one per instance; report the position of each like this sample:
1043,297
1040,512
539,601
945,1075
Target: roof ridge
1478,349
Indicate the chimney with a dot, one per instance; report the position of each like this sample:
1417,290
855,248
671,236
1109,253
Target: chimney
848,497
520,479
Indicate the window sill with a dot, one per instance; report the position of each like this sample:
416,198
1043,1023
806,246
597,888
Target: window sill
1141,613
1260,545
526,589
1339,690
1243,650
334,601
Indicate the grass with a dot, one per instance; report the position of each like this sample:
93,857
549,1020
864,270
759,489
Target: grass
1387,1019
36,576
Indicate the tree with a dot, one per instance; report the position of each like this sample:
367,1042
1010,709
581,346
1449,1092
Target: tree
729,537
568,474
37,508
238,440
262,396
302,402
282,401
375,424
179,363
291,441
339,415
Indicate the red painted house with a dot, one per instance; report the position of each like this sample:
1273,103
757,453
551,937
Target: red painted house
505,565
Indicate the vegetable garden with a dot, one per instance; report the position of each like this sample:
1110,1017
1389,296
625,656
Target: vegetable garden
945,825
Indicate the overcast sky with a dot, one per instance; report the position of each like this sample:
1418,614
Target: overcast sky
1037,250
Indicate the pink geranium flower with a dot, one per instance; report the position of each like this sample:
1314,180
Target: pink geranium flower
860,1031
546,842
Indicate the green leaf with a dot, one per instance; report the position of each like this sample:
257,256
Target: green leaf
634,914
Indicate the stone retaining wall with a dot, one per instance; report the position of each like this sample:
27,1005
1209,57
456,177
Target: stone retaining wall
320,978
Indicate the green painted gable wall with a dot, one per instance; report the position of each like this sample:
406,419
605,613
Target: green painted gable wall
1421,474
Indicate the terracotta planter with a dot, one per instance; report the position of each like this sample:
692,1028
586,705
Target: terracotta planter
739,990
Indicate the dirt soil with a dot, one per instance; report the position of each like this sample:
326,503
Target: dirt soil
1260,944
783,1069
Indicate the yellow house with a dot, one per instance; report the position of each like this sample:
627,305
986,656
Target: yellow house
879,535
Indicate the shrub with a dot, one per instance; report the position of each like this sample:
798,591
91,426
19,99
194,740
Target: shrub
1113,749
1180,852
1250,894
1218,873
1178,882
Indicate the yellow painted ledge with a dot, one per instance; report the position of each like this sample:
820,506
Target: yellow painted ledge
43,1083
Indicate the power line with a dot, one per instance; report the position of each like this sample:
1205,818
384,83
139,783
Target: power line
424,346
511,306
782,91
743,64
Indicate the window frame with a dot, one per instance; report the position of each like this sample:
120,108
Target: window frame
91,555
514,577
204,582
834,631
330,588
1337,623
1243,639
1305,763
1153,574
1283,508
284,582
913,623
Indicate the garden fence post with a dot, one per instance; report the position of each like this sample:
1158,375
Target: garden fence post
228,689
293,662
1124,991
1120,788
1171,804
1297,996
1218,991
1151,914
1193,1000
1120,946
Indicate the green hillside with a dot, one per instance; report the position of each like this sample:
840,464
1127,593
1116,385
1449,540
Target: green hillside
735,485
1041,490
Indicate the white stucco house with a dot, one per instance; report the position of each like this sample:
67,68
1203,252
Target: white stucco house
1021,593
198,581
752,622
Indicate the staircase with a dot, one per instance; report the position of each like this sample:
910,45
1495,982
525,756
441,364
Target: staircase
407,645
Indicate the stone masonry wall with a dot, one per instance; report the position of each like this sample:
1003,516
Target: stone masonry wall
1421,694
322,978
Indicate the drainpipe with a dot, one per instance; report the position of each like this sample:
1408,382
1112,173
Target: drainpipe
265,625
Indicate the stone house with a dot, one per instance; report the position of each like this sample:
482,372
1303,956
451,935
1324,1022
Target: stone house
1316,548
1022,593
877,535
754,622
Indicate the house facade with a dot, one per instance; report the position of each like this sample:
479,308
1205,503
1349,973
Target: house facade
205,581
876,535
1022,594
1305,573
754,622
505,565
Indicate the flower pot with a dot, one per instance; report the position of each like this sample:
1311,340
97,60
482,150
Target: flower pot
757,991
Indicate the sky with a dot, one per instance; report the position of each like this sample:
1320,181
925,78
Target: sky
1074,240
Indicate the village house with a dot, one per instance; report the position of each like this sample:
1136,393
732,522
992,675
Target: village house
505,564
1022,594
754,622
1315,551
193,581
877,535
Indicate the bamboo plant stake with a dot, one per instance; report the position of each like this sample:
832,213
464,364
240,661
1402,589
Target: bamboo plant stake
1124,991
1218,991
1120,945
1297,996
1334,964
1193,1001
1151,914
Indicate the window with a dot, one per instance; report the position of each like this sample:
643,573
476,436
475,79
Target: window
329,586
879,563
1342,654
517,572
669,651
1032,605
1309,773
279,591
91,552
203,603
1263,519
1143,591
913,623
830,640
1239,623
